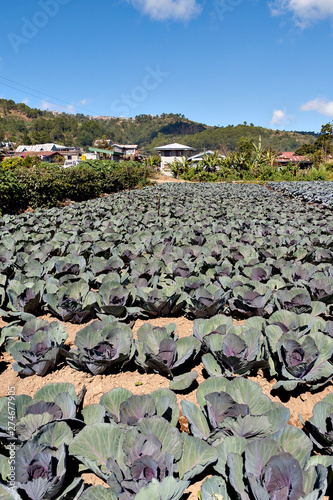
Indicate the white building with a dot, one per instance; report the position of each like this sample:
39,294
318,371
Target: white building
7,145
170,153
126,150
194,160
41,147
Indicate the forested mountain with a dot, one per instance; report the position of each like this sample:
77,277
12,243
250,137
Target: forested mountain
24,125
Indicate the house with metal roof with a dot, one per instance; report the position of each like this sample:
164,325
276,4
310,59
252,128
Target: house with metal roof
107,154
200,156
52,156
128,151
41,147
289,157
46,156
171,152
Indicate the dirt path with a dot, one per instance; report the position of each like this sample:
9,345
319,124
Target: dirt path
161,179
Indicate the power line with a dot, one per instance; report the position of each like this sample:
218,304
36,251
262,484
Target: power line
42,93
27,93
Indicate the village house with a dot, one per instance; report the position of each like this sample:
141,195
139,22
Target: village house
49,152
289,157
127,151
47,156
7,145
170,153
41,147
114,154
130,151
194,160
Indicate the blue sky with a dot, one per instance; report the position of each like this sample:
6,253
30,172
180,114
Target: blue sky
218,62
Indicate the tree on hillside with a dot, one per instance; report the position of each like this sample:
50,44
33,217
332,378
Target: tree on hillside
145,130
322,145
26,141
103,143
245,146
251,157
306,149
40,137
324,141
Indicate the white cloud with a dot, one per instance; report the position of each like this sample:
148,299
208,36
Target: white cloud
25,100
84,102
48,106
45,105
322,106
279,117
160,10
304,11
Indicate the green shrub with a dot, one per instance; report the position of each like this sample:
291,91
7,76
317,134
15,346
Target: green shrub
17,161
317,174
42,186
152,162
329,169
266,172
10,190
47,185
81,183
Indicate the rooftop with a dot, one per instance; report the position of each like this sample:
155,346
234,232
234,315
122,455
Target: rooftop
175,146
104,151
290,156
36,153
201,155
41,147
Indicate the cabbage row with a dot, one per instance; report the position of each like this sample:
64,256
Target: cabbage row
211,252
199,250
320,192
134,445
296,349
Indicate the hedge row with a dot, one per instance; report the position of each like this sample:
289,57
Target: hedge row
47,185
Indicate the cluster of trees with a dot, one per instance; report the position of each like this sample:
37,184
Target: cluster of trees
254,161
9,105
246,163
24,125
230,136
322,146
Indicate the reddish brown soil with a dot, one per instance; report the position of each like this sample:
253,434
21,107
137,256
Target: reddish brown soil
139,383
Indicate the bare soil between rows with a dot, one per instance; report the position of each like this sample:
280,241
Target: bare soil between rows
140,383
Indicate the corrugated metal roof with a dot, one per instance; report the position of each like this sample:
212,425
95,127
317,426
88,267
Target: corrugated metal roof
36,153
290,156
106,151
50,146
175,146
201,155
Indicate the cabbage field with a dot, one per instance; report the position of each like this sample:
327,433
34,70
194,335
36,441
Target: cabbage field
247,269
311,192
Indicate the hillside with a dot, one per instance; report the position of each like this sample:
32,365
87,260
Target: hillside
22,124
228,138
